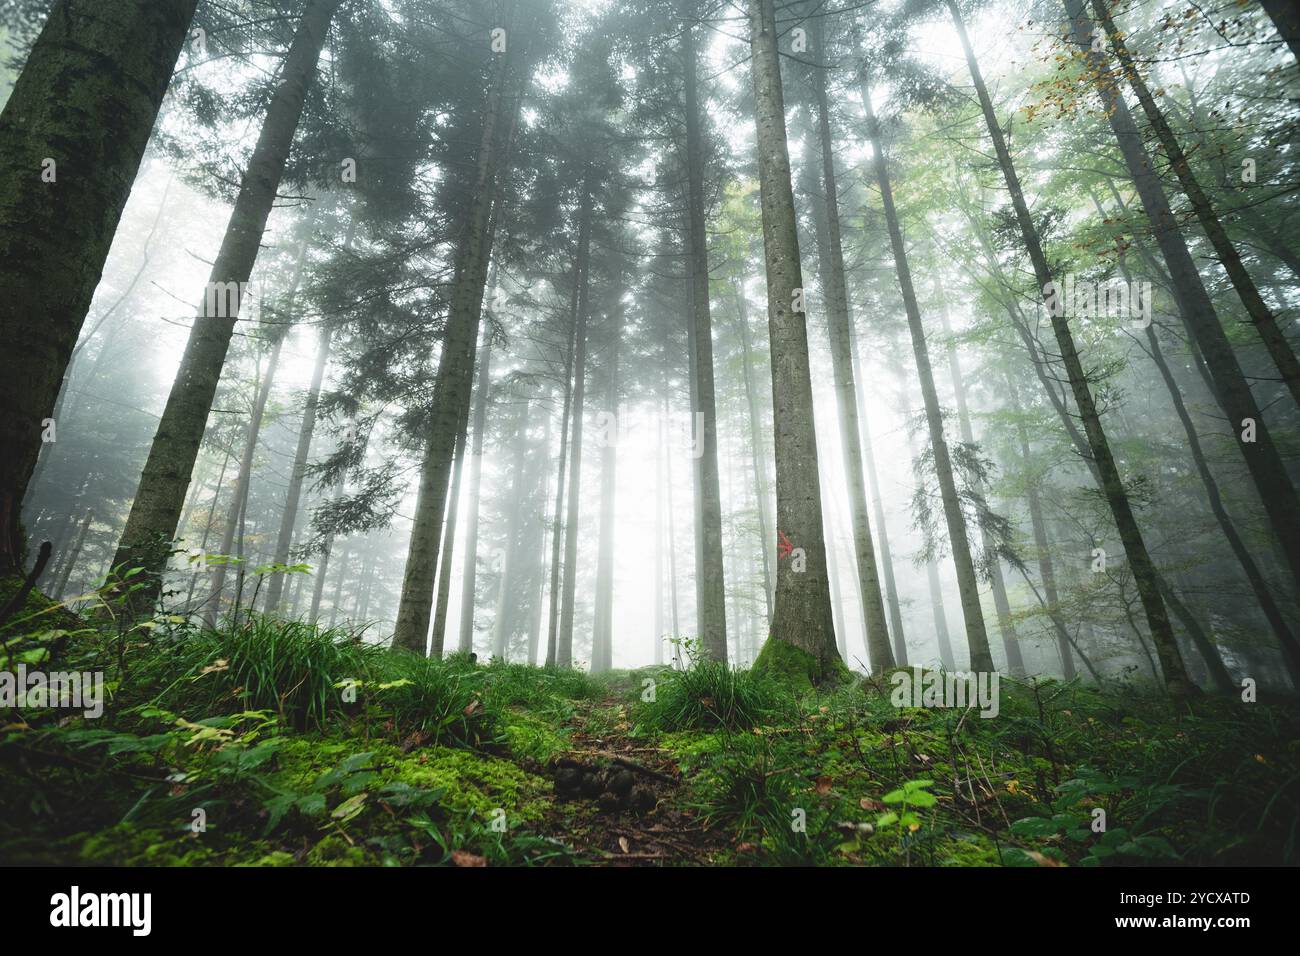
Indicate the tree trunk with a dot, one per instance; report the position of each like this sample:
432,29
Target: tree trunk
711,584
564,640
242,480
289,519
1144,571
878,507
151,524
518,483
802,619
838,321
1229,384
756,450
553,610
1010,640
1286,18
91,61
68,565
453,385
438,633
468,580
602,641
1260,315
981,659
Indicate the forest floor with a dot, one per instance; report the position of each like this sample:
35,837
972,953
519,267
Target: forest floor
281,744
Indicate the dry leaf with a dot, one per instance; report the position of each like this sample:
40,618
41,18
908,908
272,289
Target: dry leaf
463,858
823,785
624,845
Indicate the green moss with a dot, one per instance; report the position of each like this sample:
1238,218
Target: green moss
274,858
475,784
532,736
334,850
794,667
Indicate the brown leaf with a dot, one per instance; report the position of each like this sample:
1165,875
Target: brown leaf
1040,859
463,858
866,803
473,707
823,785
624,845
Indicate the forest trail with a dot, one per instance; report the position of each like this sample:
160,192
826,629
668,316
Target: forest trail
620,801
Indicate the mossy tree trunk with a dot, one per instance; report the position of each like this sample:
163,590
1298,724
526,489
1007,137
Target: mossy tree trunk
802,624
86,100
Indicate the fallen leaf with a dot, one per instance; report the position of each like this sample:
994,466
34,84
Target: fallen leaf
463,858
823,785
1040,859
866,803
472,708
624,845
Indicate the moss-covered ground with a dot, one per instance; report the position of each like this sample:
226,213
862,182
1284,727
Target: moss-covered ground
264,744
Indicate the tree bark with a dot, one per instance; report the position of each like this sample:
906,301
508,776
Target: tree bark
468,593
711,579
602,641
564,638
92,63
802,616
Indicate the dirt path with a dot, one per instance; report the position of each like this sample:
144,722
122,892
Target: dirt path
620,801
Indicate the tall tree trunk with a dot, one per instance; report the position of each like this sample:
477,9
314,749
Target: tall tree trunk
438,633
56,414
1010,640
1144,571
454,381
151,524
802,617
518,483
564,639
71,561
1046,572
981,659
468,580
298,474
91,61
557,527
242,482
602,640
831,266
1229,384
756,447
1260,315
878,507
658,625
711,585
